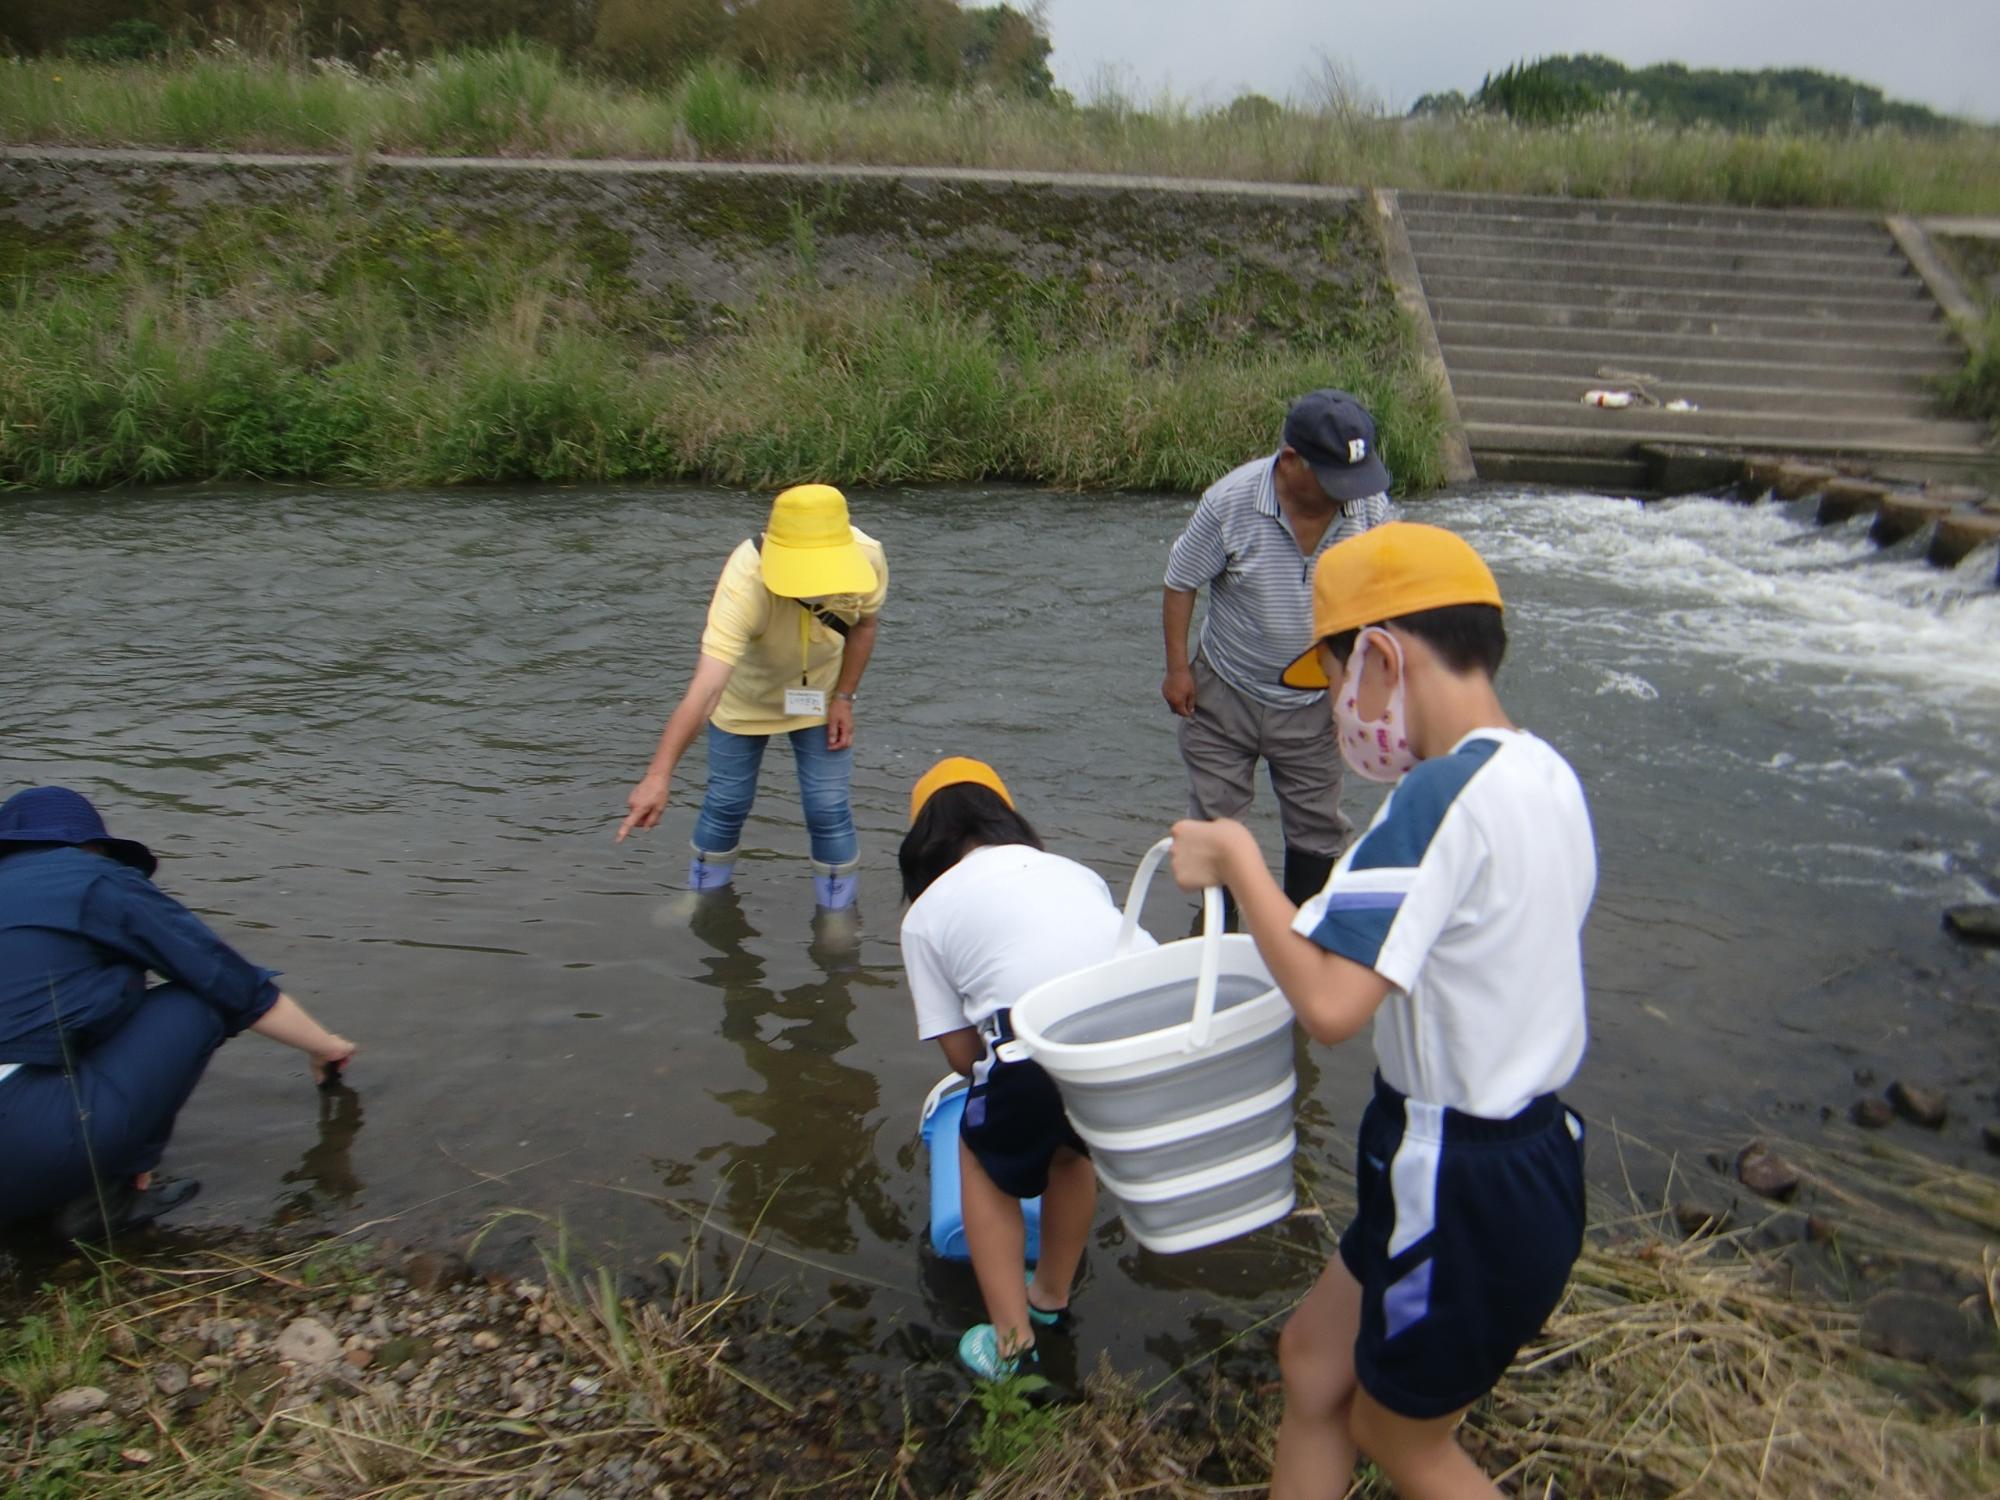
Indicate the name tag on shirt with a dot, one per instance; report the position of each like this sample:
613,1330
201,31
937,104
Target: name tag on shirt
804,701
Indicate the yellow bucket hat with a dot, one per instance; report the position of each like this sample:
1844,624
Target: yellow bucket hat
809,549
955,770
1399,568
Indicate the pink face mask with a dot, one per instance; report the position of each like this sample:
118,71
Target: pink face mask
1377,750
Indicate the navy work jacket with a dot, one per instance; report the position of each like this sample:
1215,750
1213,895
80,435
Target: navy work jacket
78,933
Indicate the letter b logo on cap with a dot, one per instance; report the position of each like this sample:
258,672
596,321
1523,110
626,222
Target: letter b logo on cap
1357,449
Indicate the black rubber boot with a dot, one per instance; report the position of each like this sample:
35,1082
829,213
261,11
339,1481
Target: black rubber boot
1229,923
122,1209
1305,875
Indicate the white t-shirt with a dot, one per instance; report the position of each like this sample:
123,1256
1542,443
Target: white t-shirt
1002,920
1468,894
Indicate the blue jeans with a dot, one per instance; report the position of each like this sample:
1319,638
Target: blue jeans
824,775
114,1115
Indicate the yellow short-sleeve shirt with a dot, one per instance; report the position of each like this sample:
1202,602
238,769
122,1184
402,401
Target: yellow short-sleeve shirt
775,643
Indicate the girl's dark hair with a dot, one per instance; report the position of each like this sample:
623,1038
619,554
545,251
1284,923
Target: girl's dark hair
956,820
1465,636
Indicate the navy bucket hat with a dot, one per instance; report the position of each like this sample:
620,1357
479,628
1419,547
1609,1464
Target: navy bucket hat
57,815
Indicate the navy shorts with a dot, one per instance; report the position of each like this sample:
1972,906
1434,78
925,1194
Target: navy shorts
1463,1242
1013,1125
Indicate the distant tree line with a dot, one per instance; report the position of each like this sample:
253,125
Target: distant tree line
1555,89
935,42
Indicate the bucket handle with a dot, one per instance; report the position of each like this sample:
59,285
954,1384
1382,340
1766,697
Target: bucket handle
1211,939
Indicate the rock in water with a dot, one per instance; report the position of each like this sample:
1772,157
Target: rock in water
1699,1218
1920,1106
1762,1170
434,1270
1977,922
1872,1113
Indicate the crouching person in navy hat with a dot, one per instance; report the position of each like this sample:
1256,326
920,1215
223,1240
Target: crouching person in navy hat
789,633
94,1063
1455,926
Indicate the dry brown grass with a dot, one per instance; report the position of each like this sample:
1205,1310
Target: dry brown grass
1694,1367
1675,1367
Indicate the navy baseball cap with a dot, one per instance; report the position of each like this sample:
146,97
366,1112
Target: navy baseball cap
1334,434
57,815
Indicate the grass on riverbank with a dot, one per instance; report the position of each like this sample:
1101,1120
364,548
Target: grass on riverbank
1674,1367
521,102
1974,390
349,349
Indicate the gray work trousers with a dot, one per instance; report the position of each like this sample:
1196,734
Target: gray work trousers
1223,741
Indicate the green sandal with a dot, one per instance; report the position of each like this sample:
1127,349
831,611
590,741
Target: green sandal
979,1352
1045,1317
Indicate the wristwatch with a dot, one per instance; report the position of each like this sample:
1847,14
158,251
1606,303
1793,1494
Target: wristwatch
841,696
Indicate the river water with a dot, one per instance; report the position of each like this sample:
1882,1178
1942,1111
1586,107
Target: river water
382,742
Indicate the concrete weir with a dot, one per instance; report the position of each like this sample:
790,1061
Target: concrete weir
1805,334
1959,519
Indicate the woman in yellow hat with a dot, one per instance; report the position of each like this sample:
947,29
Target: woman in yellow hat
992,915
789,633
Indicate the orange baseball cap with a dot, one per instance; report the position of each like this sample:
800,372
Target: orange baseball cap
955,770
1398,568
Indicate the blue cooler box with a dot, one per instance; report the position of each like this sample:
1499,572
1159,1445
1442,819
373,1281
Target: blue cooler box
942,1112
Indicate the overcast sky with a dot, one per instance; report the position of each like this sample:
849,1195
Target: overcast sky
1944,53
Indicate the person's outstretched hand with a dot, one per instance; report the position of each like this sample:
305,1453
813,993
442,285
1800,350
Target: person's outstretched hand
643,805
329,1060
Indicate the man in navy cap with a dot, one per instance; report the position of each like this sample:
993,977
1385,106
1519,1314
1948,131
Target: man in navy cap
94,1063
1253,540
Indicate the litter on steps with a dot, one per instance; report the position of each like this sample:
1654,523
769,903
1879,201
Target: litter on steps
1619,400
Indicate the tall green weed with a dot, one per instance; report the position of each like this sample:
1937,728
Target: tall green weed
519,99
371,348
490,102
1974,390
721,111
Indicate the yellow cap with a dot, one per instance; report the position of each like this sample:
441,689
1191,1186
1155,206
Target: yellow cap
1399,568
809,549
955,770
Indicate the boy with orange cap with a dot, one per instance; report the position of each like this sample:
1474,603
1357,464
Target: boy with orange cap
991,916
1454,924
790,629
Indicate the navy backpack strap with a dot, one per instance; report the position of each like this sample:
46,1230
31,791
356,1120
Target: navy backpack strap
832,622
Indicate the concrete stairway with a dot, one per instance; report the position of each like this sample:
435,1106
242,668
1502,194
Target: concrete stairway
1800,333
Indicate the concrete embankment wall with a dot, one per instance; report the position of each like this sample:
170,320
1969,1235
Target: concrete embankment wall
1761,321
706,239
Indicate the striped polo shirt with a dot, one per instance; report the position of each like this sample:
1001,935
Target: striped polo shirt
1260,585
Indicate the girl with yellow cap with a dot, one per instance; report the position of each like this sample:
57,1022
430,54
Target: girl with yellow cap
789,633
992,915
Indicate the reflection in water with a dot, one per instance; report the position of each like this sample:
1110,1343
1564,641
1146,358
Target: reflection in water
817,1161
325,1175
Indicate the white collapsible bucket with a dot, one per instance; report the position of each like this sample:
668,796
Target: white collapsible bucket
1175,1065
